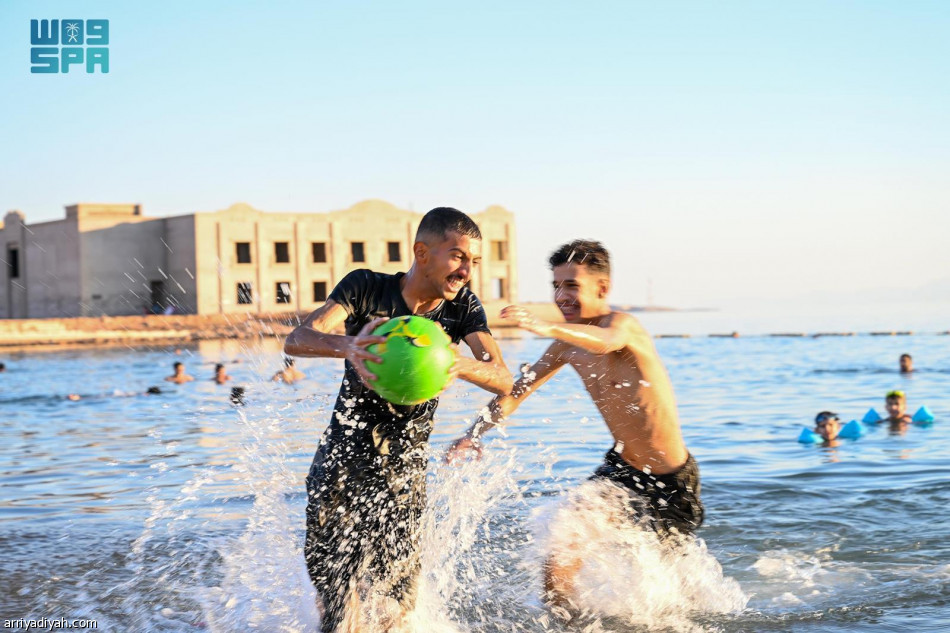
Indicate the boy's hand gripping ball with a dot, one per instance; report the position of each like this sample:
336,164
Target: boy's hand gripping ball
416,360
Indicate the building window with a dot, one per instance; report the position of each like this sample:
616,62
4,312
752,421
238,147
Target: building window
13,262
499,250
282,252
357,252
393,250
243,252
319,252
245,292
283,292
319,291
499,288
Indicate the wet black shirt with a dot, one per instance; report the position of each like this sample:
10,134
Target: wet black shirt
367,295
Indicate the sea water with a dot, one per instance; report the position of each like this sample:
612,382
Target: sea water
184,511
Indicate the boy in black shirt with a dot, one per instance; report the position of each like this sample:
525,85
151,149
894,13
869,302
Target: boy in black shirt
366,487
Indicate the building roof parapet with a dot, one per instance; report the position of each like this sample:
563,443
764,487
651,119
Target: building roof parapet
13,218
86,209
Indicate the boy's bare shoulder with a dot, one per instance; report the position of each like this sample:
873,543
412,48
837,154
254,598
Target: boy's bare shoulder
625,320
636,337
622,318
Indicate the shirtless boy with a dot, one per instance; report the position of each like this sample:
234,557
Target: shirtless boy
366,487
618,364
827,425
289,374
896,405
179,377
220,374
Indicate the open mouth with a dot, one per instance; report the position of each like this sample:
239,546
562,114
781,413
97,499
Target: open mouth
569,311
455,283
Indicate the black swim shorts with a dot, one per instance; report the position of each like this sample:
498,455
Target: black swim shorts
670,500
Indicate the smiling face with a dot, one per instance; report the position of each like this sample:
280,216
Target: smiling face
579,293
447,265
896,407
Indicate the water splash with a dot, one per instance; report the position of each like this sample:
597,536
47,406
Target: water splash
202,564
628,573
263,580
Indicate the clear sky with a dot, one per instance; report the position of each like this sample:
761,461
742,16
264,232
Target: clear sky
731,152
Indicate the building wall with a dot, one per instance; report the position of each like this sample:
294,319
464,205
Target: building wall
118,265
374,224
112,260
52,278
181,250
13,283
498,270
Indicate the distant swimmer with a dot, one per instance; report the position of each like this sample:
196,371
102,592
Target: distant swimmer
179,377
220,375
289,374
151,391
907,364
896,405
827,425
619,366
3,368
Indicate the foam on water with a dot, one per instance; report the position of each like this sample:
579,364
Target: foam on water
797,579
628,572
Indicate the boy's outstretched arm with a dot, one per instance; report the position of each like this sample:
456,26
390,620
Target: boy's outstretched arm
487,370
623,331
503,406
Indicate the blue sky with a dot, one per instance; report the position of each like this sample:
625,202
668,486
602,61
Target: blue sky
731,152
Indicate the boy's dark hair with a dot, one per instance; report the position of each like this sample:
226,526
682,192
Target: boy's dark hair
441,220
907,356
177,364
589,253
288,361
218,367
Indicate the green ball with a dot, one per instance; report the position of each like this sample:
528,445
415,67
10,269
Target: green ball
416,360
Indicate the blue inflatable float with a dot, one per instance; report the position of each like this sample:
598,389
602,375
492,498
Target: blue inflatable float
923,416
850,431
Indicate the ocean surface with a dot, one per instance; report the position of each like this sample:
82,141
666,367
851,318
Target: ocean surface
184,512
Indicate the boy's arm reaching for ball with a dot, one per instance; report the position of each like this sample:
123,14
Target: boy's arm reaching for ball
621,331
313,338
487,370
501,407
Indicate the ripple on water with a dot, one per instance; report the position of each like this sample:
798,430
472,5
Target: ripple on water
183,513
